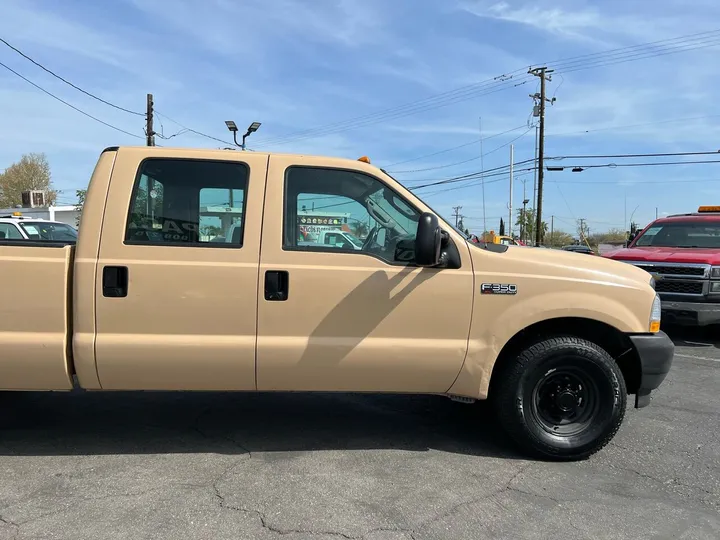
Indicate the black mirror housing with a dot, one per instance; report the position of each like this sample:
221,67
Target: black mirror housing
428,241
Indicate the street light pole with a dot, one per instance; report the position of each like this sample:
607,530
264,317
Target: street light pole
232,126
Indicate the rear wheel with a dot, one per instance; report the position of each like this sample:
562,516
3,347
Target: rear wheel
561,398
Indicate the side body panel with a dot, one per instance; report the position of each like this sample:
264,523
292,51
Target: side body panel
188,321
35,317
353,322
550,284
85,271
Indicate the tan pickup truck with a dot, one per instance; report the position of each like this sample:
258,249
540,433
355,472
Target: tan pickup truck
150,299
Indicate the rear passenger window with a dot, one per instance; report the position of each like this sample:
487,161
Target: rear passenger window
185,202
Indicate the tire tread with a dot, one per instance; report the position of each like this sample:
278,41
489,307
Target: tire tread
504,395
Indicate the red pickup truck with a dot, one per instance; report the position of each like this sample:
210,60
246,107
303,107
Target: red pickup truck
682,252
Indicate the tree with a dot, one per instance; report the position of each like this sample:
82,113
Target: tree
211,231
501,230
613,236
80,194
559,239
359,229
32,172
526,223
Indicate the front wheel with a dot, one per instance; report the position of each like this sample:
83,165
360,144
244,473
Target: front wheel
561,398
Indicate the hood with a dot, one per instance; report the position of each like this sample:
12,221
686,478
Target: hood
561,264
667,254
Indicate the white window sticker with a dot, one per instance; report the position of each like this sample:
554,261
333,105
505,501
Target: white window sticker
30,229
652,231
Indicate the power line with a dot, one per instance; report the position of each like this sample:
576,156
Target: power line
68,82
629,182
70,105
502,170
659,154
472,183
611,57
474,141
318,132
186,130
612,128
464,161
657,164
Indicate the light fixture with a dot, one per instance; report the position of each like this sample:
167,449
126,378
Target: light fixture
231,125
252,129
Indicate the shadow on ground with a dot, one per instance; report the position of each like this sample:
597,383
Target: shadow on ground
81,423
696,337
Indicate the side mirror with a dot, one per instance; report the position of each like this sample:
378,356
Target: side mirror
428,241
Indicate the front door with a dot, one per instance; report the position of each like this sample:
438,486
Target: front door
176,293
358,316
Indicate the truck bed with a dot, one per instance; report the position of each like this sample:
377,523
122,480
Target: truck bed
35,285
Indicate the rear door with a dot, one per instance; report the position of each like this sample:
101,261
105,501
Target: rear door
176,288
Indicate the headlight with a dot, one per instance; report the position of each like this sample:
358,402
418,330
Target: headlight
655,314
715,287
715,272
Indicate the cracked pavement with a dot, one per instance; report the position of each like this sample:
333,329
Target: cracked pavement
177,466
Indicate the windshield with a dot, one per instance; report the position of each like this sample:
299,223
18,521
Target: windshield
681,234
42,230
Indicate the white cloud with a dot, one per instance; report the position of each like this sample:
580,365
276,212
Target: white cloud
571,20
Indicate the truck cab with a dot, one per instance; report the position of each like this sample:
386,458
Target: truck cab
682,253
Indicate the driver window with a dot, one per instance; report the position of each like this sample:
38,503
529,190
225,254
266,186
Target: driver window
343,211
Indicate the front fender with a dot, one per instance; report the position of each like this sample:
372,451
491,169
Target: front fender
498,318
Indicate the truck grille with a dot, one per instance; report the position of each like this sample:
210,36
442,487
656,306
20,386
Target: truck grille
677,278
677,270
679,287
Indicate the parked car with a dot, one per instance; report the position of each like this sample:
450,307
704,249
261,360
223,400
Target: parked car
579,248
18,227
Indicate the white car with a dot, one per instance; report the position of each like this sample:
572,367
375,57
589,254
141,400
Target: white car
33,229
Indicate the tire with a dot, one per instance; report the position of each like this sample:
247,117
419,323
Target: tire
562,398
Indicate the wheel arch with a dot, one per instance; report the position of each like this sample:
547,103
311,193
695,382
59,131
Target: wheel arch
612,340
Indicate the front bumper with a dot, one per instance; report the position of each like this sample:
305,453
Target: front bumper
655,352
690,313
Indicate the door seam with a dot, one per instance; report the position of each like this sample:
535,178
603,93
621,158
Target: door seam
259,266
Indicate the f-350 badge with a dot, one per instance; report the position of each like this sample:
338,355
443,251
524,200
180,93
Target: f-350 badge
498,288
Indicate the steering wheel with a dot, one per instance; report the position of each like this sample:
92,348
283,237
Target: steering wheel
370,239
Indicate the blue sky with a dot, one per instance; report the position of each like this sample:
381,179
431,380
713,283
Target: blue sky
302,64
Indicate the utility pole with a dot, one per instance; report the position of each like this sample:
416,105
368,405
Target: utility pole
535,175
149,121
543,73
510,219
656,212
524,210
552,230
582,229
456,213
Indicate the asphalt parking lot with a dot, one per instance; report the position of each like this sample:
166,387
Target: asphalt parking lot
166,466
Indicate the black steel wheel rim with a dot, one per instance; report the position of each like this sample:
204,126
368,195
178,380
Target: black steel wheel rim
565,401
